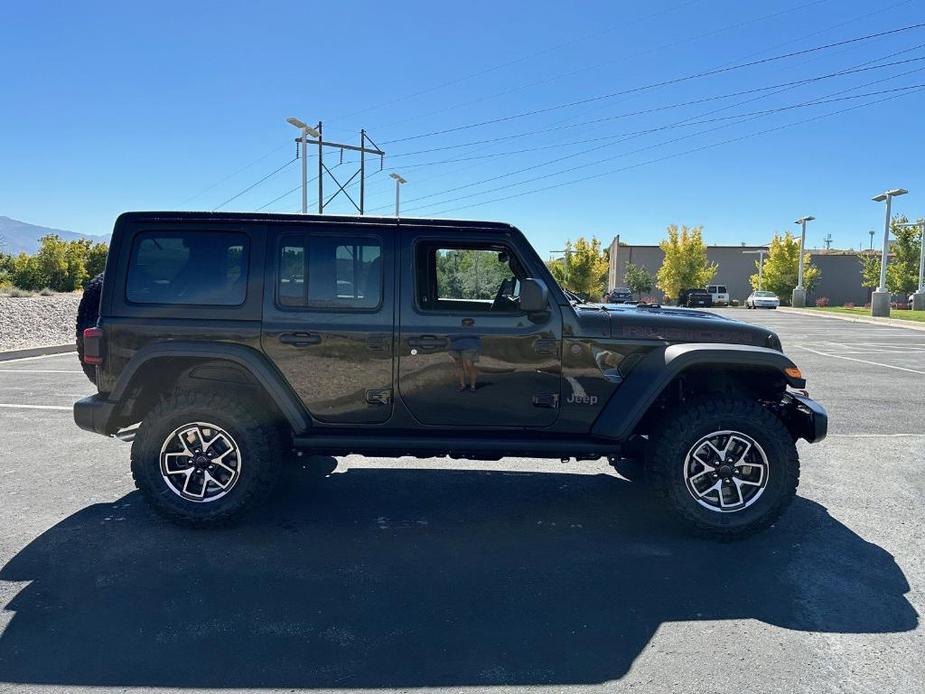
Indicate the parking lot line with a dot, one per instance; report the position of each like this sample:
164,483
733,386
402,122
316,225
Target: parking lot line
15,406
862,361
39,371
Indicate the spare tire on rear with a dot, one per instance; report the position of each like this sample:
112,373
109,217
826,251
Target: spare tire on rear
88,312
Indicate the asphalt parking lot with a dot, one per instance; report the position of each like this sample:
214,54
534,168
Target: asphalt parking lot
521,575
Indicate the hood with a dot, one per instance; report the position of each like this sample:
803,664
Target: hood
669,324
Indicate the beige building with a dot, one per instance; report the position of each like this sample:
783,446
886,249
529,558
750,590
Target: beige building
839,271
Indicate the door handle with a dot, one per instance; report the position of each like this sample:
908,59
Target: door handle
300,339
428,343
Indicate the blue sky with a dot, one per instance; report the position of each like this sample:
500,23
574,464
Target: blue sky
106,107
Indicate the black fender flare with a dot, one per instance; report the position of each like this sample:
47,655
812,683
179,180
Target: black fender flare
253,361
627,406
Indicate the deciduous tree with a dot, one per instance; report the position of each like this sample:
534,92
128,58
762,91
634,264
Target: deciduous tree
685,265
638,279
780,267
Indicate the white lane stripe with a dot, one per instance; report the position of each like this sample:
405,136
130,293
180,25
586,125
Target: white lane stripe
39,371
877,436
862,361
35,407
71,355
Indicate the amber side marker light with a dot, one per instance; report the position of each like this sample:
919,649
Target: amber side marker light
793,372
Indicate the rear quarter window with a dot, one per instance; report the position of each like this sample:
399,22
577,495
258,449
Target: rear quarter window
188,267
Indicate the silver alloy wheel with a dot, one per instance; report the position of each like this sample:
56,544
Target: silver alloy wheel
200,462
726,471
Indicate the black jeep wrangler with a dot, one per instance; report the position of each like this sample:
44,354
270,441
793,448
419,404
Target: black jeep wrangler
221,342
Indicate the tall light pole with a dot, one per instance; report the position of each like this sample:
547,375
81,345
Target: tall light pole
760,252
798,296
306,131
398,183
918,299
871,232
880,299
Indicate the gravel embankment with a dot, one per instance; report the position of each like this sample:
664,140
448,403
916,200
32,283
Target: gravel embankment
37,321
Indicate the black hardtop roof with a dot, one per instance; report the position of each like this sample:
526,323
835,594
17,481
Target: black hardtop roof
180,216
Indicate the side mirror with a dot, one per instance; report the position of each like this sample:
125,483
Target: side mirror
534,295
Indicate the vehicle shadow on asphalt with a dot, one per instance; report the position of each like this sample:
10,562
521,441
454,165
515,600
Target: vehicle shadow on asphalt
418,578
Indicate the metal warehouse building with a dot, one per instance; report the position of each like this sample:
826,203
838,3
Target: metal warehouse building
839,271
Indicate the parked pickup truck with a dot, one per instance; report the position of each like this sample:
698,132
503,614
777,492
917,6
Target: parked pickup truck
226,340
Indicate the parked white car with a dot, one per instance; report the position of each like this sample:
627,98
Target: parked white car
762,300
720,294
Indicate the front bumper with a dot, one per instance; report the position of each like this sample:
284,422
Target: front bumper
805,417
94,413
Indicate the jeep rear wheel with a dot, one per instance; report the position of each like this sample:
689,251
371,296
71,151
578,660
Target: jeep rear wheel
201,459
728,468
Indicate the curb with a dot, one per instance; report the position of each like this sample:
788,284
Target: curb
37,352
889,322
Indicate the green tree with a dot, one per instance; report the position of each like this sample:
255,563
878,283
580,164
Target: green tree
638,279
902,270
96,259
779,274
685,265
584,268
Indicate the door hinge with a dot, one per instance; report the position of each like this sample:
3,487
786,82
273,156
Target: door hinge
379,396
546,345
550,400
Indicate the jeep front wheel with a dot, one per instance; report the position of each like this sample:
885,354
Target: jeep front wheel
728,468
201,459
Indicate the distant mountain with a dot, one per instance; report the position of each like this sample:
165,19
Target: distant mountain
18,237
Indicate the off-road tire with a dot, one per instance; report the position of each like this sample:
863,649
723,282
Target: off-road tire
258,441
88,312
696,419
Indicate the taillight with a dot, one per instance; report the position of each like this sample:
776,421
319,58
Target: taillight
93,346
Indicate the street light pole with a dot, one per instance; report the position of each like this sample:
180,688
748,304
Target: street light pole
760,252
398,182
880,299
798,296
918,299
306,131
871,232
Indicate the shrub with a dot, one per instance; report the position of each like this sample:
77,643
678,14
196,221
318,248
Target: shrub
822,301
45,291
849,304
733,302
17,293
648,300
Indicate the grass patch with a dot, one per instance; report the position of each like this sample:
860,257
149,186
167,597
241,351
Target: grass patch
899,314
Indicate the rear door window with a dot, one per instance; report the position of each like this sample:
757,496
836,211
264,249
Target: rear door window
326,271
188,267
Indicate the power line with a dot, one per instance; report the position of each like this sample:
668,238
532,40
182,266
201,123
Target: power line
663,83
654,49
745,117
523,58
677,154
254,185
676,124
646,111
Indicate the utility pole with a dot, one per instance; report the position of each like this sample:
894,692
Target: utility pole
880,299
798,296
366,146
398,183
